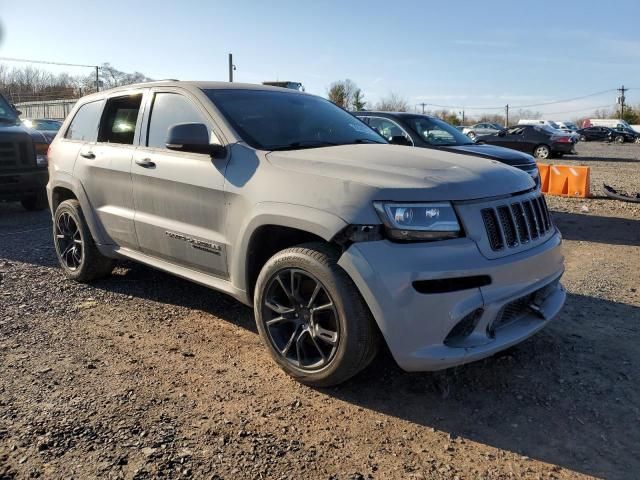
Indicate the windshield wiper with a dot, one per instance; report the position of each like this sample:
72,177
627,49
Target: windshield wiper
364,140
304,144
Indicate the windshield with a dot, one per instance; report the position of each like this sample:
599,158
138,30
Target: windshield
436,132
7,113
269,120
47,125
554,125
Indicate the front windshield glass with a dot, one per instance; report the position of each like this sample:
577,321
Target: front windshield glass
270,120
554,125
7,113
437,132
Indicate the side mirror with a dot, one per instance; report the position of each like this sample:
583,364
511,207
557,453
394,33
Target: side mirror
194,138
399,140
502,133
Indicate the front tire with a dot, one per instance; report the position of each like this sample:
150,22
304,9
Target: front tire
619,139
77,253
37,201
583,138
312,317
542,151
472,135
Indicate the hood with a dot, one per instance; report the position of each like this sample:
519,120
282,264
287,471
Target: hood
399,170
504,155
19,132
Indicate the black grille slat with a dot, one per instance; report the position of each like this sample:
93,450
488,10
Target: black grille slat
531,219
545,212
493,230
521,222
538,213
518,223
508,226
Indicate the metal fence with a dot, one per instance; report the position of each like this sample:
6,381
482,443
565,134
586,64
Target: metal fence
53,109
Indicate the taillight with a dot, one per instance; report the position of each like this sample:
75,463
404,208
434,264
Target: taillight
563,139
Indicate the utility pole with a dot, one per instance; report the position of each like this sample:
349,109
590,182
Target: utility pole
97,79
463,116
506,109
621,100
232,67
422,105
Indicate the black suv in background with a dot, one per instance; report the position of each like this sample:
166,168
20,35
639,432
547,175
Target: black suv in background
589,134
425,131
23,160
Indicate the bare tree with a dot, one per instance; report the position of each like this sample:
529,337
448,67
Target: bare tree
343,93
393,103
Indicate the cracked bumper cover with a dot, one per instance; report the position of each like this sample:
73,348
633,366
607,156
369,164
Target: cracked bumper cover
415,325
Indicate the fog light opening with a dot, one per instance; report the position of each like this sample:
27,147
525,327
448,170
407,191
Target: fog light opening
463,328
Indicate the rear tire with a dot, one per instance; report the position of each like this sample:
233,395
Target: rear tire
542,151
619,139
77,253
583,138
35,202
471,135
305,302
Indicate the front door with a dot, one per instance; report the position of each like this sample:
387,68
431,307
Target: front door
179,197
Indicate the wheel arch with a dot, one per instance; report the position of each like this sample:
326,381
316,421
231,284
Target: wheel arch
274,227
67,187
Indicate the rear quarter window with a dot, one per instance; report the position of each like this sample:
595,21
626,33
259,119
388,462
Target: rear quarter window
84,126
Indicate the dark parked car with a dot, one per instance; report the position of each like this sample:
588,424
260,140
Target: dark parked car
539,140
23,160
589,134
623,134
48,127
430,132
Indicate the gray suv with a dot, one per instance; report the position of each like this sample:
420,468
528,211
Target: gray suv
288,203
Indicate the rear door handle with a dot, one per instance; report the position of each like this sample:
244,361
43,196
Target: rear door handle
146,163
90,155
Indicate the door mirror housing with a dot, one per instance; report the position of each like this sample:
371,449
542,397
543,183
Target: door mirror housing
399,140
194,138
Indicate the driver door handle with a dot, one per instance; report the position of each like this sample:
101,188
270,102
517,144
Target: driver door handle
90,155
145,162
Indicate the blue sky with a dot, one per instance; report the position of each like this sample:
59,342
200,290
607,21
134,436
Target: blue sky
462,52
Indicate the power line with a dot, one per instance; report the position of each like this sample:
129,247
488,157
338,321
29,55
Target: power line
555,102
45,62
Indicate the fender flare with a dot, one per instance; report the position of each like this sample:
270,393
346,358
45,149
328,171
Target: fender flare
318,222
68,181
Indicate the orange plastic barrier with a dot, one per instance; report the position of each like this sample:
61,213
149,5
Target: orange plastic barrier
565,180
543,168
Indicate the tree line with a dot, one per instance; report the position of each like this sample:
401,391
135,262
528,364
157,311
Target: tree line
23,84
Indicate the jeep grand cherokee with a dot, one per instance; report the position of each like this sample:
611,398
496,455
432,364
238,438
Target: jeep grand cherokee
290,204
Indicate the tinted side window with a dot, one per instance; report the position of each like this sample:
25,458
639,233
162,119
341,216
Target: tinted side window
118,124
84,125
387,128
169,109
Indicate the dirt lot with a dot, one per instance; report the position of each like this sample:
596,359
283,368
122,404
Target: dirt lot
143,375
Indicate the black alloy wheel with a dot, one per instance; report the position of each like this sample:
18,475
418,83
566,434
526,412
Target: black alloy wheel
301,319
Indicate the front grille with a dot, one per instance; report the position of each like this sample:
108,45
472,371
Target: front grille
14,155
514,224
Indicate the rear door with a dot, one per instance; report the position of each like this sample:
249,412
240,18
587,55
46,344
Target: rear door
104,167
179,196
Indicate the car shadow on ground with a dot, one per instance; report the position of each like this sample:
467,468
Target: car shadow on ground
581,158
594,228
564,396
560,397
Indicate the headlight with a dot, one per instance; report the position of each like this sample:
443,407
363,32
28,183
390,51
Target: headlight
42,159
419,221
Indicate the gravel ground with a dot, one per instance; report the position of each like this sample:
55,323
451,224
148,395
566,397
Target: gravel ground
144,375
